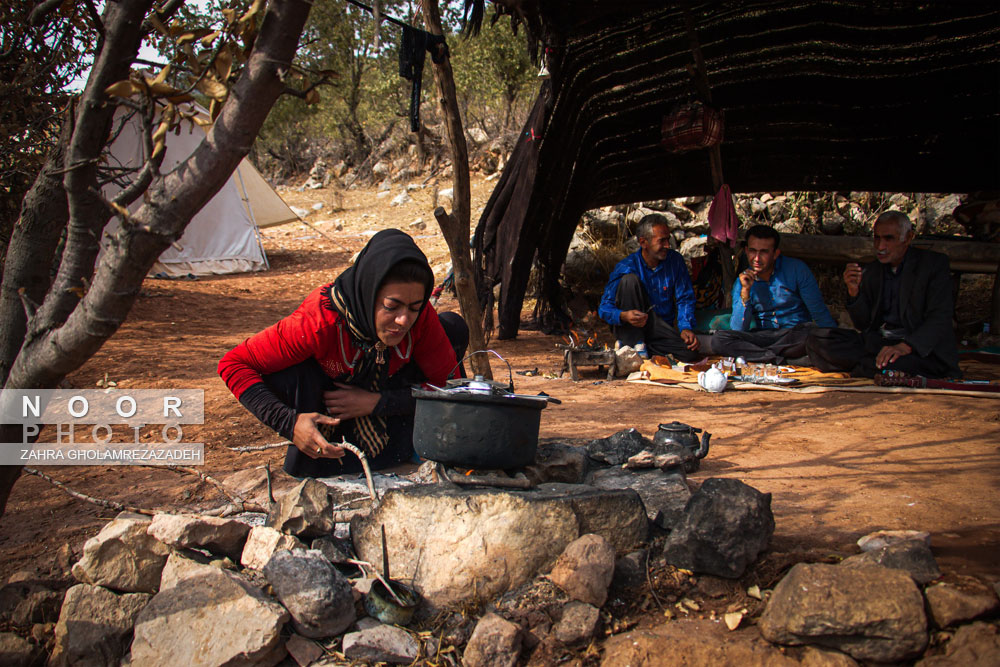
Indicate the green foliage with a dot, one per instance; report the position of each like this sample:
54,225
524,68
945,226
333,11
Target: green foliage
369,101
493,74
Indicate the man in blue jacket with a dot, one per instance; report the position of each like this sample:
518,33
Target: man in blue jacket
649,301
776,301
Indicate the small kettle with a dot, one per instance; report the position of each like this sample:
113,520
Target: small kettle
682,440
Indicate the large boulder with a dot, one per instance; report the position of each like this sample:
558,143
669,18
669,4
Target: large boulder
95,626
585,568
458,544
318,597
305,511
579,623
725,526
180,567
212,619
871,613
184,531
123,557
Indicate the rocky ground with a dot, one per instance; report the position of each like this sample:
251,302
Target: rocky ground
837,465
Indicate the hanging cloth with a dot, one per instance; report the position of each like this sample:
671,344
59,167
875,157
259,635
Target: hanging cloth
723,223
413,46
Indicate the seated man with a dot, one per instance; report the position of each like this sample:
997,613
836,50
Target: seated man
648,292
777,295
902,306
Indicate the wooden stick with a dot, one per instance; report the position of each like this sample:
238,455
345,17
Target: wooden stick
364,464
107,504
258,448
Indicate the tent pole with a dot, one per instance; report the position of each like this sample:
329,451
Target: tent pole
253,219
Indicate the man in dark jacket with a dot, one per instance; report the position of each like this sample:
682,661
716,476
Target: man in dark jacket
902,307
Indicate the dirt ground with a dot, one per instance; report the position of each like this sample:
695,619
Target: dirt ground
839,465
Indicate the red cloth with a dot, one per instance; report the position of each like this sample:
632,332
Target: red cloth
723,223
315,330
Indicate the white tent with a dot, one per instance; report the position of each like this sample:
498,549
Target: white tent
223,237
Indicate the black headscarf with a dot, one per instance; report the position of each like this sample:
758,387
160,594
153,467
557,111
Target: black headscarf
353,296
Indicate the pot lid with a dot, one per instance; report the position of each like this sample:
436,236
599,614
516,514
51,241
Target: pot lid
460,396
676,427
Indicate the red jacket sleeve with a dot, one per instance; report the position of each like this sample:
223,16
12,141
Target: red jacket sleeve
291,340
432,349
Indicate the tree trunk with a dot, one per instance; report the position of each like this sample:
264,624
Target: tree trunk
458,236
68,328
28,265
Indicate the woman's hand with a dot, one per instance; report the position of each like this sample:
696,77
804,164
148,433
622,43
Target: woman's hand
307,438
348,401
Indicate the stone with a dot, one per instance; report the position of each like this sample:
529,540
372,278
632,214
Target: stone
693,247
381,168
383,643
38,606
951,605
123,557
579,623
459,544
446,192
662,494
885,538
15,651
496,642
262,543
305,511
833,223
725,526
95,625
617,448
557,462
630,569
585,568
334,550
213,619
251,485
418,224
178,568
400,199
870,613
317,596
220,536
814,656
913,557
478,135
790,226
691,643
303,651
627,361
973,644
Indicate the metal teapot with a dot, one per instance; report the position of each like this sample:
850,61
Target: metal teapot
682,440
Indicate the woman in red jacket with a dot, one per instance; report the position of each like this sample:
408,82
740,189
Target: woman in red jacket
343,363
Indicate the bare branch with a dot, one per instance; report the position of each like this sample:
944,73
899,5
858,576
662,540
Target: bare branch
42,11
107,504
259,448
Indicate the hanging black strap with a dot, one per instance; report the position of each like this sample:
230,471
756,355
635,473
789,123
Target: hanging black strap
413,47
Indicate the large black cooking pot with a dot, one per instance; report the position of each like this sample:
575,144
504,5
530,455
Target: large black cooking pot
481,430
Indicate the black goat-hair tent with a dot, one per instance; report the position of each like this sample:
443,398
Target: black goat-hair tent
862,95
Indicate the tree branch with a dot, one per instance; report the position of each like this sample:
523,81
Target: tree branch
42,11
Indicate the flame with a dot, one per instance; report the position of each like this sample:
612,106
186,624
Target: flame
591,340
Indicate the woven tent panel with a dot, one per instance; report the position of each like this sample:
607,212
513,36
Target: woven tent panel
885,96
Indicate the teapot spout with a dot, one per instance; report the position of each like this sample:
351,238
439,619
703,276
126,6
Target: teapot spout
702,451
